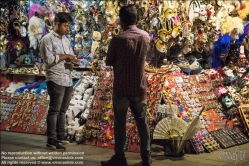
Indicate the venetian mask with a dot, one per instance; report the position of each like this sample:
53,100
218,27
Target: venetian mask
111,16
76,27
84,26
200,44
78,37
3,43
202,13
22,2
88,93
82,19
23,31
85,83
27,60
86,49
96,35
163,34
78,47
18,46
89,102
79,135
161,46
169,13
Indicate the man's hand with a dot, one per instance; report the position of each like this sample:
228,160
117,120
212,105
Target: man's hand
72,58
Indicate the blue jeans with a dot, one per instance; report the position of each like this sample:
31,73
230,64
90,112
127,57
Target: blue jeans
138,106
60,97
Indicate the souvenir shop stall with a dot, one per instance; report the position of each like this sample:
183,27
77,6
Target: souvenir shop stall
197,69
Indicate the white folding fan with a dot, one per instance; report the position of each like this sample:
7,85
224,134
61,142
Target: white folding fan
170,128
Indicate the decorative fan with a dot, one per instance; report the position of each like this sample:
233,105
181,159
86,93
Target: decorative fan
170,128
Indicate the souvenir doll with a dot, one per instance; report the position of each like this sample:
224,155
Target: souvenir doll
225,50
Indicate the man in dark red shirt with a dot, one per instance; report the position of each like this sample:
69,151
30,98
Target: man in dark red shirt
127,53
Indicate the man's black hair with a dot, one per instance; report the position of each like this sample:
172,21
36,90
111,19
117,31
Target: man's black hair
128,14
63,17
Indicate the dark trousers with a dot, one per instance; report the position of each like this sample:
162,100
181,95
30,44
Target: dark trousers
138,106
60,97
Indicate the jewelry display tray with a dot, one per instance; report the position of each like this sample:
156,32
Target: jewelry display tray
237,136
223,138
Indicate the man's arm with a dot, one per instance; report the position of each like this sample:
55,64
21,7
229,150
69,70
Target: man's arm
46,50
112,52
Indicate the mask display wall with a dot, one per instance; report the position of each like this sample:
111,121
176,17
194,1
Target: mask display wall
192,26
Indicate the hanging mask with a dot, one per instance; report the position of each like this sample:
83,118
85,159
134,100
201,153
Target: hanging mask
35,30
96,35
78,47
17,25
23,31
22,2
163,34
3,43
168,13
110,14
77,27
77,37
161,46
27,60
18,46
202,13
2,59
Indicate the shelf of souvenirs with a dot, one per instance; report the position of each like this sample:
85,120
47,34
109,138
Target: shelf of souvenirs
77,72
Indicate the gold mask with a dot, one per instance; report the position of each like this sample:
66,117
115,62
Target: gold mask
161,46
168,13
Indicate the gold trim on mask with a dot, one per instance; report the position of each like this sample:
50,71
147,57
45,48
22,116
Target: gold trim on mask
163,33
161,46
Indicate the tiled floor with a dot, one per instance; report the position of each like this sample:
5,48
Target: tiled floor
28,143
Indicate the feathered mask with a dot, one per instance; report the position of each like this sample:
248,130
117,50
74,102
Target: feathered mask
36,28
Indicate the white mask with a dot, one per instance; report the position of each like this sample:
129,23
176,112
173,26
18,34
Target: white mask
202,13
89,102
88,93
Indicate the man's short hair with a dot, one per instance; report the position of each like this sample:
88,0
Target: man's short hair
128,14
63,17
